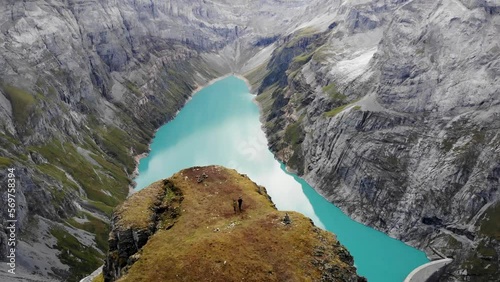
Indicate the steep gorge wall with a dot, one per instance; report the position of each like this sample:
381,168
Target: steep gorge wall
83,87
395,120
84,84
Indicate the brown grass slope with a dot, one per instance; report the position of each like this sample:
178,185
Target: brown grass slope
193,234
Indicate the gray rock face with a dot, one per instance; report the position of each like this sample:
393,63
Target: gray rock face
413,151
127,239
399,117
84,85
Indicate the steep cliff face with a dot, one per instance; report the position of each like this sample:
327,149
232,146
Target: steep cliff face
395,120
181,229
83,86
389,108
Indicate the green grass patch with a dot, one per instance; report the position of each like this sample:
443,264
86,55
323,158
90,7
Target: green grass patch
339,109
293,75
102,207
59,175
481,264
454,243
117,143
485,250
5,162
133,88
256,75
10,139
98,278
320,54
302,59
299,61
95,226
82,260
301,34
448,143
265,100
490,224
478,137
21,102
90,178
294,133
296,161
335,111
332,92
330,87
113,169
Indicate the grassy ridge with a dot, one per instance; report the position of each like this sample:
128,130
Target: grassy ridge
21,102
211,241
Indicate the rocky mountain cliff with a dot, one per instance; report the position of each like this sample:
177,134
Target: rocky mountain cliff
184,229
391,112
389,108
83,87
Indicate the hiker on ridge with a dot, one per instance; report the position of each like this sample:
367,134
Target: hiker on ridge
287,220
240,202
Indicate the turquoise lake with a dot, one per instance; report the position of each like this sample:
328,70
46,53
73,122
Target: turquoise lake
220,125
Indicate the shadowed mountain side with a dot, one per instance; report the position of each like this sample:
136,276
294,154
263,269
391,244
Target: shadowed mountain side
185,229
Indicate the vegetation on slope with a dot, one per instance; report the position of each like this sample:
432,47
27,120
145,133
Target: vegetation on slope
297,51
80,258
21,102
76,156
294,135
284,96
90,178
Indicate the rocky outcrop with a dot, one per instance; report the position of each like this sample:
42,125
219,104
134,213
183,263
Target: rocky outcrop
394,120
161,232
130,232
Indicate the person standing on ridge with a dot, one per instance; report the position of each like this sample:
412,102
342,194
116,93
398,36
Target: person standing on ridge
234,205
240,202
287,220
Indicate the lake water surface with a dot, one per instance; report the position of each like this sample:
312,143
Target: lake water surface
220,125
